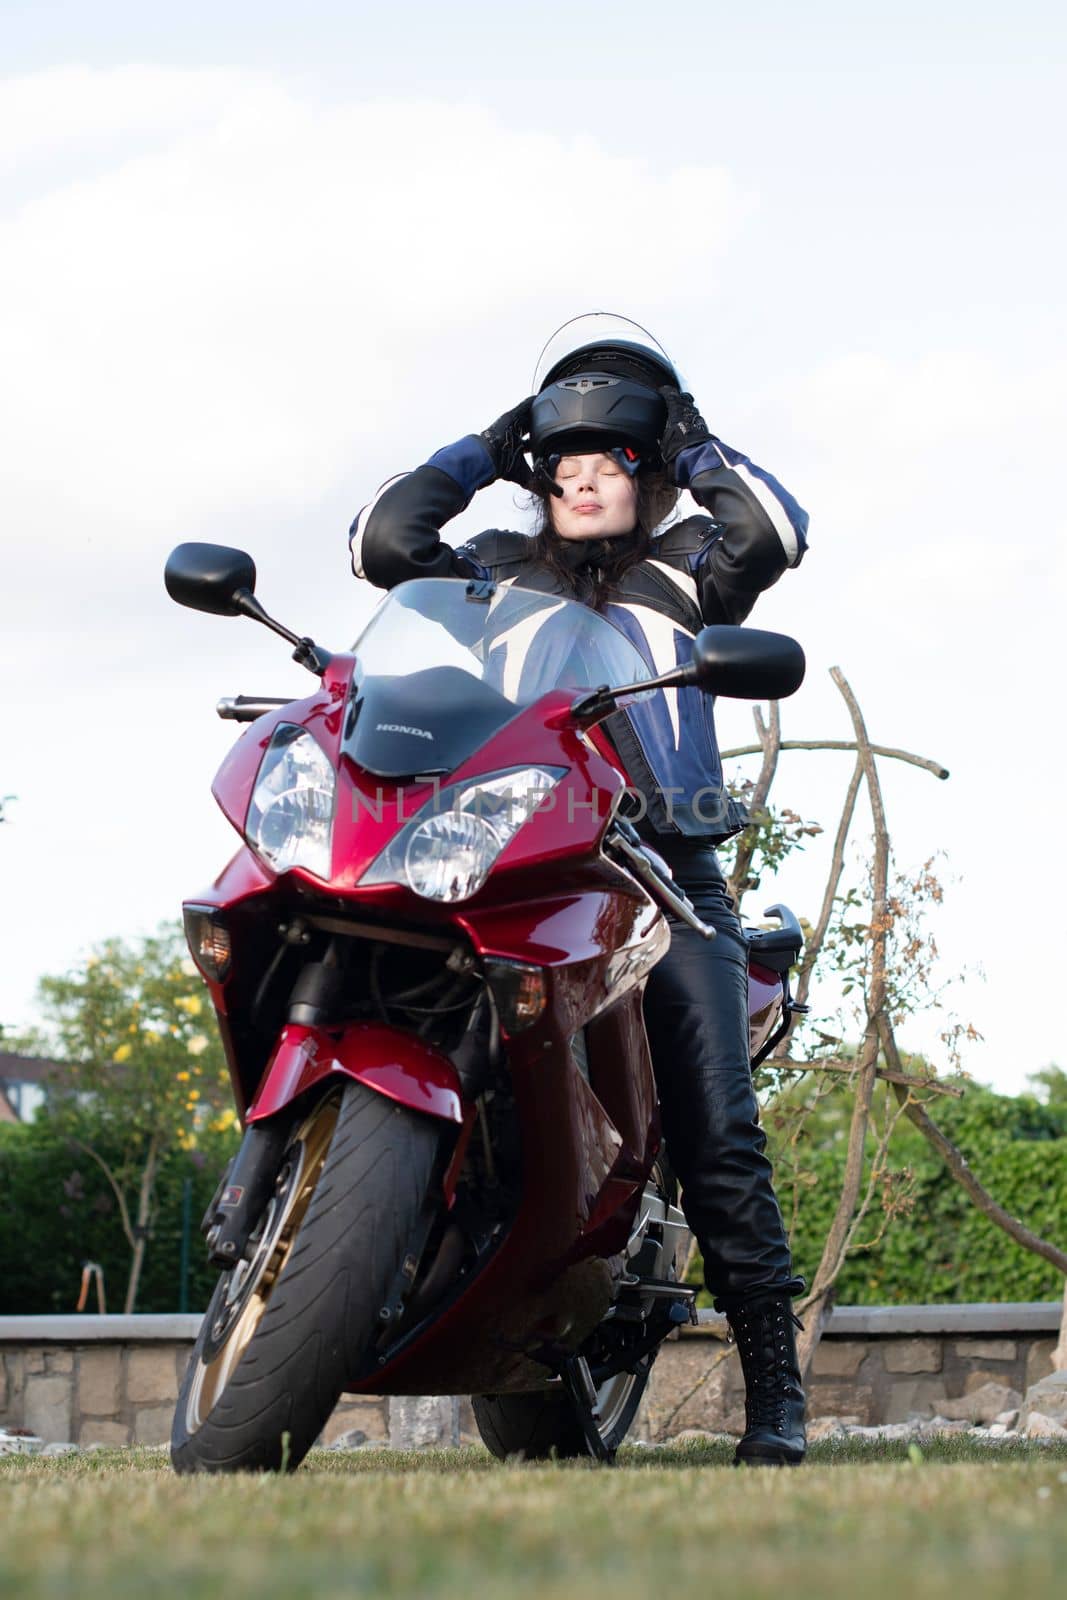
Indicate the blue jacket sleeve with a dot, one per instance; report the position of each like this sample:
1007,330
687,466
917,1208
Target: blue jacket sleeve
398,535
760,530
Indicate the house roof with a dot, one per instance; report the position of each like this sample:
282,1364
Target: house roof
27,1069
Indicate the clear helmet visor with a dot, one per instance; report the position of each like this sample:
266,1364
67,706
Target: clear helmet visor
598,328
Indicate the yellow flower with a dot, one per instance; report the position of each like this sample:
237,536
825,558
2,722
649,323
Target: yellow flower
123,1053
182,1077
191,1004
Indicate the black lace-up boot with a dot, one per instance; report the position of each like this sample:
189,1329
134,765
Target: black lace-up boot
774,1400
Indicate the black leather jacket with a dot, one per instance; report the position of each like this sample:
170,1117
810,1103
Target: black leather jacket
703,569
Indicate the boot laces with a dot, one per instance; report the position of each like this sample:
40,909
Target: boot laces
768,1372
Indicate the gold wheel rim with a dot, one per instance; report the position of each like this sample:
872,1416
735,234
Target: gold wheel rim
252,1282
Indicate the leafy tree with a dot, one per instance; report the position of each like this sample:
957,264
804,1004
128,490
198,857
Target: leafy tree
144,1073
67,1215
1050,1085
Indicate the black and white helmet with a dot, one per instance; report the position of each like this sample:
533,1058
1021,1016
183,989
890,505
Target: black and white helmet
596,387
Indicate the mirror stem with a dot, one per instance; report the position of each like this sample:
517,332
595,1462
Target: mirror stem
307,653
600,703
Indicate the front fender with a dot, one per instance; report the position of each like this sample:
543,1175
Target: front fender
395,1064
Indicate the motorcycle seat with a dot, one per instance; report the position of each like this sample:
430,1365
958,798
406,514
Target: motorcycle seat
779,948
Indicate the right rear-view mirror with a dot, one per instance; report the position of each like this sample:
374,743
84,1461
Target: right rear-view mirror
747,663
209,577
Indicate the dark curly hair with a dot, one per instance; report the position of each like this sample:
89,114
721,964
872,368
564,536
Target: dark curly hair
657,497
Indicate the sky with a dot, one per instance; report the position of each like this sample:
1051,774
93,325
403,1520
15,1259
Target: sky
254,261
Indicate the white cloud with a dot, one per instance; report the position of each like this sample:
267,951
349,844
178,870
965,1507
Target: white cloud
70,112
258,289
227,312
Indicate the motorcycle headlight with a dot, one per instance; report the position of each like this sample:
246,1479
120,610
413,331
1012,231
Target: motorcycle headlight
290,817
447,851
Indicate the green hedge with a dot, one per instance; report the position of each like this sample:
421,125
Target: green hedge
944,1249
59,1212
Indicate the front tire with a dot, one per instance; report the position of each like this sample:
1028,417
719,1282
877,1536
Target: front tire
288,1327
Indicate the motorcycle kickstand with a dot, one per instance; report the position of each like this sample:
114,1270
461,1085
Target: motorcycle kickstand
578,1382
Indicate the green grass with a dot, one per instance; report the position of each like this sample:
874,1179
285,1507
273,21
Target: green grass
861,1519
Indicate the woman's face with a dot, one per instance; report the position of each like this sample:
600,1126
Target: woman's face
599,499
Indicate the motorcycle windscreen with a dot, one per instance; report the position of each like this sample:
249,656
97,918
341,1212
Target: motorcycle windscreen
444,664
423,723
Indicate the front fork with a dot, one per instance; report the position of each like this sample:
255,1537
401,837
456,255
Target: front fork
306,1058
243,1192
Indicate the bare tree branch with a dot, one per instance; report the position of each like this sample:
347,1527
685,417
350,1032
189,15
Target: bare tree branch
841,744
877,1169
144,1211
662,1426
770,743
841,1227
815,1302
847,1069
1059,1355
124,1211
957,1164
876,988
813,946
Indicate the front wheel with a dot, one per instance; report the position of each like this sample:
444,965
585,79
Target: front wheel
287,1326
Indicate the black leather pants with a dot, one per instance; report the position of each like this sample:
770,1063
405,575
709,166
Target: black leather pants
696,1014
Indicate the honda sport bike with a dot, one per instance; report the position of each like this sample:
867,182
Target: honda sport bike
427,962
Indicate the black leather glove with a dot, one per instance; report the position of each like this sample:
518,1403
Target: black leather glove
504,439
685,426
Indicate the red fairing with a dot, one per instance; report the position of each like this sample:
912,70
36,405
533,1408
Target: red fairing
764,1005
320,713
371,810
399,1066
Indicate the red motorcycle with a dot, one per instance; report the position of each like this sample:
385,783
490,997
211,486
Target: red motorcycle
427,962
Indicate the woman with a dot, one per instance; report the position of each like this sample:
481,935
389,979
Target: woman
614,438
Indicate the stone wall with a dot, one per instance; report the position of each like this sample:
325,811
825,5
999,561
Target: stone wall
120,1388
114,1380
895,1374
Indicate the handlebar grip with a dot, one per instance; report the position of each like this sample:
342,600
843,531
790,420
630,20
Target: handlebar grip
661,888
247,707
